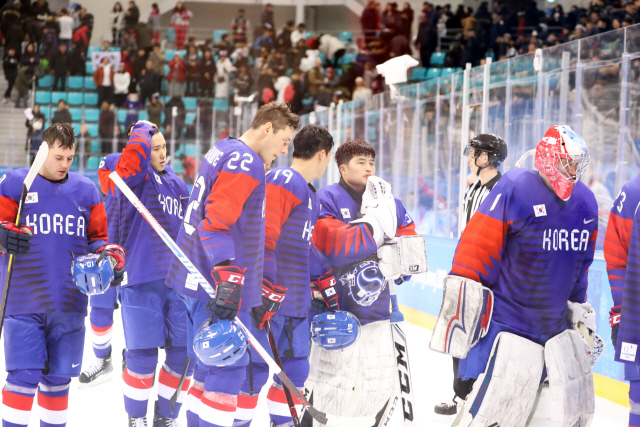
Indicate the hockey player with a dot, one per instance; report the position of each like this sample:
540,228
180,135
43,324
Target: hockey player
616,250
347,239
223,235
292,209
485,153
44,323
531,243
153,315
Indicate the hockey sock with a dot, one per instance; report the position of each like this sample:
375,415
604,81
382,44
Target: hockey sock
634,402
257,374
245,410
278,407
17,397
53,400
138,380
169,379
102,327
193,403
217,409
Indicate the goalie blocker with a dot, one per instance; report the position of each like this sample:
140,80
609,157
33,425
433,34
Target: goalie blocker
464,317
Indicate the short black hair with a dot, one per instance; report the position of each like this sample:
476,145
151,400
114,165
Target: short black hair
310,140
353,148
61,133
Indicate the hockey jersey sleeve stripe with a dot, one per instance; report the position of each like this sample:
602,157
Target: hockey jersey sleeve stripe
97,229
406,230
228,196
280,202
106,185
616,249
343,243
8,209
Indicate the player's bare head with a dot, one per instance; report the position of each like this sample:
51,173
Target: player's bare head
314,144
62,141
356,161
158,152
272,130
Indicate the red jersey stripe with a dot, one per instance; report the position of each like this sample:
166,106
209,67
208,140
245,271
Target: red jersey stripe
227,199
280,203
8,209
97,229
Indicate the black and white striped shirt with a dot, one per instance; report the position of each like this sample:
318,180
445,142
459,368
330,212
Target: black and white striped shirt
475,195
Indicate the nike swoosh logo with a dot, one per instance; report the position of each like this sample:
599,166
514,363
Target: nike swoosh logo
74,365
587,222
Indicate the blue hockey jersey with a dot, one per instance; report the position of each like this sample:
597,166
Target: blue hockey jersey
66,217
225,220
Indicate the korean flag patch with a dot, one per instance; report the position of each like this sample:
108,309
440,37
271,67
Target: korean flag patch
540,210
31,198
345,213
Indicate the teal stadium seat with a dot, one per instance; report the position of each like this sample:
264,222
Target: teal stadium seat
76,98
45,81
181,52
348,58
88,67
57,96
76,114
122,115
89,84
75,82
190,118
169,54
345,37
217,35
93,49
447,71
92,128
418,74
91,115
90,98
221,104
143,115
43,97
433,73
93,162
115,49
437,59
189,102
164,85
96,146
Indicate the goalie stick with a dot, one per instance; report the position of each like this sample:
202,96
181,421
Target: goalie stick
402,358
321,417
41,156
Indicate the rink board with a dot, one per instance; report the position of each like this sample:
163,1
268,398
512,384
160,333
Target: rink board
420,300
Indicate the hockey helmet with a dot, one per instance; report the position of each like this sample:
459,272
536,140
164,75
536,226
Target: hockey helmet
335,330
364,281
562,156
493,145
220,344
92,274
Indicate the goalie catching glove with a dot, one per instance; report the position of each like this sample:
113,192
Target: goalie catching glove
379,210
116,256
272,297
229,281
324,289
402,256
14,240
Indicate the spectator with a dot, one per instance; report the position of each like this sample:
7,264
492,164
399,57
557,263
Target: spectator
60,66
266,18
154,23
176,77
224,43
40,10
332,48
154,109
35,139
266,91
208,68
370,74
264,41
180,23
189,166
284,88
81,40
121,83
83,139
296,55
390,19
406,19
30,57
178,120
24,81
103,79
158,58
143,36
139,64
66,28
77,61
399,46
325,96
240,27
36,121
283,38
361,91
133,106
131,16
315,77
107,126
426,40
12,30
10,67
49,42
62,114
298,87
224,68
149,82
242,83
86,19
117,23
299,34
128,42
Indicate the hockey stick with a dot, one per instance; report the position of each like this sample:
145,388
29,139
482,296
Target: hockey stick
321,417
287,393
41,156
176,394
402,357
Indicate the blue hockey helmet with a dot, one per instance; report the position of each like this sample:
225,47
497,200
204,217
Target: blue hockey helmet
220,344
92,274
364,281
335,330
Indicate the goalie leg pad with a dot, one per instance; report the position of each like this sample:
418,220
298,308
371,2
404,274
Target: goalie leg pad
403,256
356,381
571,392
505,393
464,317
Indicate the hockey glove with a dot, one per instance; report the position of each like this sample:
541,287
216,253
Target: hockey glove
272,297
379,210
614,322
14,240
116,255
325,289
229,281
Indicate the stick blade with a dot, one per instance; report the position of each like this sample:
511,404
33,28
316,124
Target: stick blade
41,156
336,421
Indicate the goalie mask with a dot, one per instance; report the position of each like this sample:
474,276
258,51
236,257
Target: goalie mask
92,274
562,156
365,282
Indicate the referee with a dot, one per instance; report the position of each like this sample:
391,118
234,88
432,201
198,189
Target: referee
485,153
